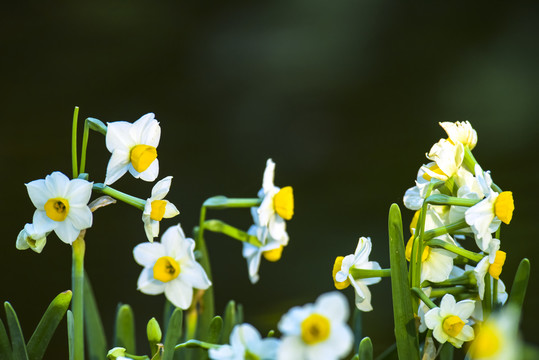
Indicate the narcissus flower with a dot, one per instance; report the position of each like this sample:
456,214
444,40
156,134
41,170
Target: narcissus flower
359,260
156,208
246,343
61,205
134,148
492,264
277,203
271,248
170,267
316,331
448,158
448,321
462,132
28,238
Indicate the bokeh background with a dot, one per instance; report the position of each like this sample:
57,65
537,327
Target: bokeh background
345,97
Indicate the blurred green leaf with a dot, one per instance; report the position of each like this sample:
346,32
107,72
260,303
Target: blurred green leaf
173,334
446,352
389,354
214,332
5,346
357,327
17,339
70,334
520,284
47,326
405,329
95,333
365,349
124,329
229,322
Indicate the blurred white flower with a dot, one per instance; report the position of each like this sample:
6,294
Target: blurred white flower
29,238
133,147
246,343
61,205
170,267
316,331
156,208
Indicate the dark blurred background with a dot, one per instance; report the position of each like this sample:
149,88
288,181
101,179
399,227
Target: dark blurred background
345,96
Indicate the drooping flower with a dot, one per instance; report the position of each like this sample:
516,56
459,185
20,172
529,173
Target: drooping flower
448,321
271,248
448,157
342,276
170,267
61,205
491,264
277,203
133,147
246,343
462,132
28,238
316,331
156,208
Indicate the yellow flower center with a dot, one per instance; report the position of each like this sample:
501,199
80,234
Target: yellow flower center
336,268
435,169
283,202
142,156
487,342
57,209
315,328
158,210
408,250
495,269
274,254
452,325
166,269
504,206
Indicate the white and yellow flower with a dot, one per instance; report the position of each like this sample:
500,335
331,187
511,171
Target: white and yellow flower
134,148
277,203
246,343
156,208
29,238
61,205
461,132
414,196
359,260
170,267
491,264
316,331
448,157
448,321
271,249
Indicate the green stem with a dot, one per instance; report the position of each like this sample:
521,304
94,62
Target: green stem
448,229
79,248
423,297
487,299
222,202
455,249
197,344
235,233
495,293
137,357
85,135
441,199
74,155
365,274
455,290
469,160
128,199
466,279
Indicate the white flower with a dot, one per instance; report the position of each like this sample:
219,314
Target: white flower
271,248
61,205
316,331
133,148
359,260
170,267
448,158
277,204
448,321
492,264
414,196
422,310
29,238
246,343
462,132
156,208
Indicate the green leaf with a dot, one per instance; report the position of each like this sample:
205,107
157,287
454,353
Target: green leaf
405,329
389,354
216,325
357,327
173,334
17,339
229,322
124,329
5,346
446,352
365,349
71,334
520,284
47,326
95,334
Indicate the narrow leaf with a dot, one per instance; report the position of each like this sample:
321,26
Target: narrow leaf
520,284
214,332
17,339
357,327
47,326
71,334
405,330
124,329
446,352
365,349
229,321
95,334
173,334
5,346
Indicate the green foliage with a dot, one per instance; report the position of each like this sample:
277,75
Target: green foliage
173,334
95,333
124,329
18,345
520,284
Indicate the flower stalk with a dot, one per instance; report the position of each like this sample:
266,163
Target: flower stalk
365,274
118,195
79,248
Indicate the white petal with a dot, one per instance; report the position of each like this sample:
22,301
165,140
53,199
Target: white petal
81,217
161,188
438,266
464,308
363,250
290,323
146,130
21,243
146,254
291,348
253,255
67,232
118,137
42,223
433,318
267,181
117,166
224,352
57,184
447,305
466,334
412,198
439,334
243,335
194,275
362,296
151,173
38,193
179,293
341,340
148,285
333,305
79,192
170,210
